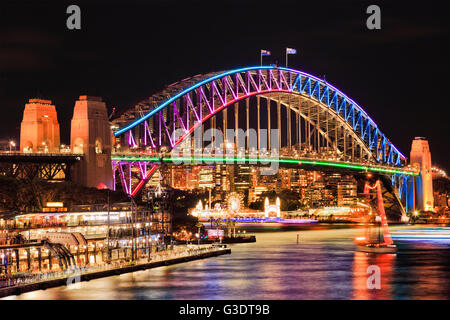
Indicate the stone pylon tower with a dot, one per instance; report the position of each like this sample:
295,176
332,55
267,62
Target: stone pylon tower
39,130
91,136
420,155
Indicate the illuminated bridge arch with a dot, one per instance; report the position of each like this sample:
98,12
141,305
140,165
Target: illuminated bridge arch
322,117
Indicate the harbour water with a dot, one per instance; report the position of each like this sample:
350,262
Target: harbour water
323,265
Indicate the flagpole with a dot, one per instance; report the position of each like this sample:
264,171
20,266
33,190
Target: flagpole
286,58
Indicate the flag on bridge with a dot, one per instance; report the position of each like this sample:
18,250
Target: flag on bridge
291,51
264,53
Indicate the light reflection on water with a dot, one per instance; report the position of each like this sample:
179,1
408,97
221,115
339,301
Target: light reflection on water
323,266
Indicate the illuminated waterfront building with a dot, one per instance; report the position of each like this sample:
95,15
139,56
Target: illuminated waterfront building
206,178
155,180
302,178
298,180
255,192
178,178
346,191
283,179
317,195
441,200
438,173
192,178
222,179
59,237
242,177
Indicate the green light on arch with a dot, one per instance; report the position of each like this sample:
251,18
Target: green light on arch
225,160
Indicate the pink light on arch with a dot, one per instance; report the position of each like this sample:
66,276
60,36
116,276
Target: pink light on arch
197,124
144,180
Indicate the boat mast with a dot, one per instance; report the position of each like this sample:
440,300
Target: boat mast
380,208
386,235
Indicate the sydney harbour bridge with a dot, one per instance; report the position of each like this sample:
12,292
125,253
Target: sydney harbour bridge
301,121
266,116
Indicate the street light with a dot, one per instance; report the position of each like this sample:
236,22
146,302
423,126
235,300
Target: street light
11,144
198,238
199,226
44,144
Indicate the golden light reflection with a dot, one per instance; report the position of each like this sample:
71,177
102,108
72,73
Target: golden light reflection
361,263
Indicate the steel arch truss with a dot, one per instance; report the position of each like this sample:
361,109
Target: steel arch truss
133,174
186,105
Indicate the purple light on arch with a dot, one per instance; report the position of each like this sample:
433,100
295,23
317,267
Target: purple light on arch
235,71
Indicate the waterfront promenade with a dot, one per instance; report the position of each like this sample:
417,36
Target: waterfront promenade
71,277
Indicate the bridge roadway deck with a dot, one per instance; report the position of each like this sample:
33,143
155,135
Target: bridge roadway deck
322,163
294,162
42,157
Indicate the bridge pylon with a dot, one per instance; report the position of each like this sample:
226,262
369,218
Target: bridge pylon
91,136
421,156
39,130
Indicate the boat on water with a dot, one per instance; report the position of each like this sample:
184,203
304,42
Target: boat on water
380,241
377,248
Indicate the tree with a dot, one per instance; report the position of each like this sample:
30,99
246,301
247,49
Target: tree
28,196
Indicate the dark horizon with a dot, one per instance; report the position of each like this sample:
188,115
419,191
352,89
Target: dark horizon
125,51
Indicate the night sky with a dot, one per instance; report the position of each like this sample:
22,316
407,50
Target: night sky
125,51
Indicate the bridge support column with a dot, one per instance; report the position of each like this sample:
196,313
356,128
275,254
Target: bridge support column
289,125
279,123
259,122
410,195
308,130
299,117
344,133
236,127
353,150
327,140
318,130
247,112
212,124
268,125
225,124
297,127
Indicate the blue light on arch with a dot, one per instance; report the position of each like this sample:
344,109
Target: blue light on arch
329,102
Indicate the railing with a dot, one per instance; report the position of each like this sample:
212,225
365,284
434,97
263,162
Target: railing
325,158
32,278
34,154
